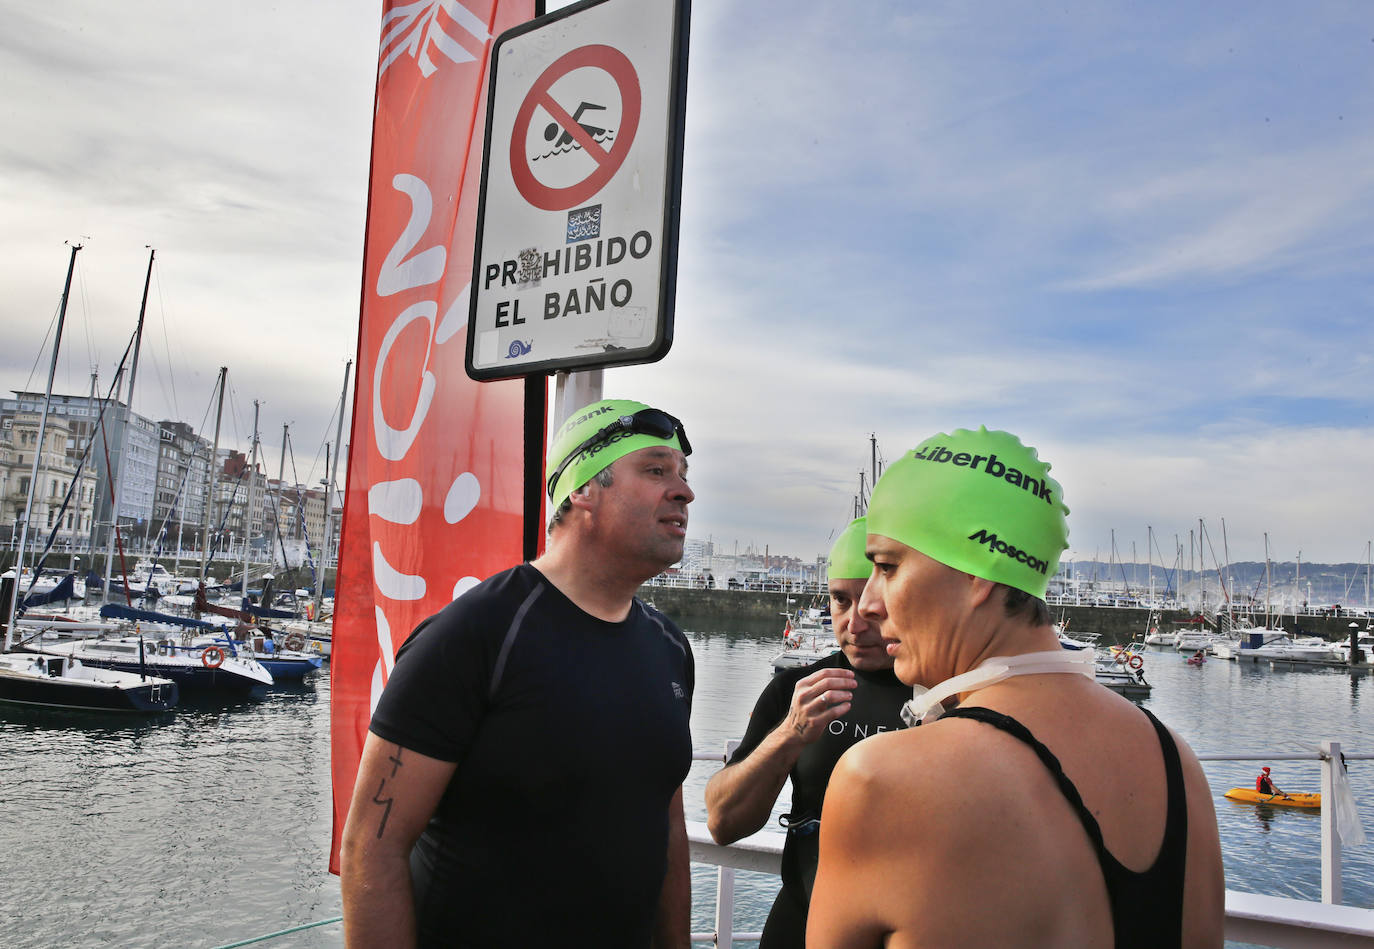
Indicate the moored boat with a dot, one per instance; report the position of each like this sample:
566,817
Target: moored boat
60,681
804,651
316,636
1121,678
1191,640
207,669
284,664
806,638
1287,649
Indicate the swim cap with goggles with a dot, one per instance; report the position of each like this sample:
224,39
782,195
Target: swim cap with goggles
598,434
847,558
978,501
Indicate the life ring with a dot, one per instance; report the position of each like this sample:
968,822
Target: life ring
1122,657
294,642
1136,662
212,657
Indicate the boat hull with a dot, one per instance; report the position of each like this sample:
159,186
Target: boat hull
289,670
796,658
190,678
1308,800
1125,684
22,684
237,678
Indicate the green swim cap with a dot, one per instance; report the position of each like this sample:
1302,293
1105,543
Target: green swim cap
633,426
980,502
847,559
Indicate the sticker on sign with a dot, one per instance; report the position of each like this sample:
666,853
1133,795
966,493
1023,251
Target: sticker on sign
575,259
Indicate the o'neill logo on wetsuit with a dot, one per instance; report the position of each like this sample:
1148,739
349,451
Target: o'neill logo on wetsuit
991,466
1002,547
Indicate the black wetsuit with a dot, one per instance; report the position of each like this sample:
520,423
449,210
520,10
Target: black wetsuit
1147,908
878,699
571,738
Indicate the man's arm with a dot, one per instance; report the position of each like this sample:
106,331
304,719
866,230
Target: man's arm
394,796
740,796
673,924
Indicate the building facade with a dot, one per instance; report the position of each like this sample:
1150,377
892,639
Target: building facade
183,465
64,495
239,513
113,445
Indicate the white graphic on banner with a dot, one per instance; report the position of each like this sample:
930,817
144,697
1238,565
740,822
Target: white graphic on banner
464,585
392,583
401,500
417,28
462,497
396,501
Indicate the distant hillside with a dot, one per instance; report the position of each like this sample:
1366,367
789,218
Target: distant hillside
1314,583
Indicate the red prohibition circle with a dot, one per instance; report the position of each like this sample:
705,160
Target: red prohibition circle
620,69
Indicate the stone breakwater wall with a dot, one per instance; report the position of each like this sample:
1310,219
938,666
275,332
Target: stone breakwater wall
758,610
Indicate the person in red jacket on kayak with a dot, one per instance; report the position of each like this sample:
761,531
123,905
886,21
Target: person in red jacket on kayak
1265,786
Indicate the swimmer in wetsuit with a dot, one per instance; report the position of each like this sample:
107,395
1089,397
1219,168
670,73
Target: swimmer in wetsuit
1044,810
803,722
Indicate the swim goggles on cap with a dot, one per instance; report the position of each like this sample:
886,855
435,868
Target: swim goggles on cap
925,705
653,422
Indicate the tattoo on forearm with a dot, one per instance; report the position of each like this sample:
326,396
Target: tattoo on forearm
385,802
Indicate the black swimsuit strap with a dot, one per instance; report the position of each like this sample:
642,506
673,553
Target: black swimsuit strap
1147,907
1014,728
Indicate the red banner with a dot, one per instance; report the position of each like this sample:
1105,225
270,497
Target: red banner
434,496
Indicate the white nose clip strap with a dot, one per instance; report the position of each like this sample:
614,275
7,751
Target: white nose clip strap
925,706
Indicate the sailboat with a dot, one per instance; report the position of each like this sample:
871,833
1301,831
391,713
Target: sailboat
54,680
63,682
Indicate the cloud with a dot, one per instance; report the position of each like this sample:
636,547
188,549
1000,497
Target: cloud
1135,235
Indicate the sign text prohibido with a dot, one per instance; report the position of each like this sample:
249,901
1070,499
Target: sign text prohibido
575,263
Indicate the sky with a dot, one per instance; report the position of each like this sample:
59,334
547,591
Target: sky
1137,236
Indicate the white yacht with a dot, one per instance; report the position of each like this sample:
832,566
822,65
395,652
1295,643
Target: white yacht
1287,649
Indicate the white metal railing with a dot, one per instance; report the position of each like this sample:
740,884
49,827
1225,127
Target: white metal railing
1123,601
701,582
1250,917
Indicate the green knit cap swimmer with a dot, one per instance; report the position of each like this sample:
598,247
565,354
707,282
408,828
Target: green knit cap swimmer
980,502
596,435
847,558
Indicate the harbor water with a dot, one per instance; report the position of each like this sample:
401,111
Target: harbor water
210,825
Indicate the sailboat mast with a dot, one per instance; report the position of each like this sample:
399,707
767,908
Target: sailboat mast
210,479
248,511
327,545
124,440
276,509
1150,559
38,454
100,414
1226,580
1201,569
1266,580
1297,589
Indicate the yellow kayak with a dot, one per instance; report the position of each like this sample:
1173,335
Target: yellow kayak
1291,799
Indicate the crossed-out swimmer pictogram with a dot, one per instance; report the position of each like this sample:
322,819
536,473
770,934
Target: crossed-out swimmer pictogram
607,162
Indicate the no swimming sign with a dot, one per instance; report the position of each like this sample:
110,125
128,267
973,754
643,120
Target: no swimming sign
575,259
